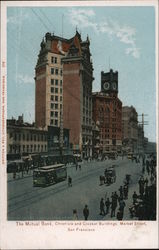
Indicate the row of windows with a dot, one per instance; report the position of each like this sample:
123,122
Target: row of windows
54,122
107,109
53,59
85,111
27,137
87,131
105,136
27,148
56,82
86,120
54,114
55,106
56,71
56,90
55,98
85,103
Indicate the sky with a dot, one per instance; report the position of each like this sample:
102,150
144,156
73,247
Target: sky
121,38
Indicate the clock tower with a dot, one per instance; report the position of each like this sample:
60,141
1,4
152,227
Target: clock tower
109,83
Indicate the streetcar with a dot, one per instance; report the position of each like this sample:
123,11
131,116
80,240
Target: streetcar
49,175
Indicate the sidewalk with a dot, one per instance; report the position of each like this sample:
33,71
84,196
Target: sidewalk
19,176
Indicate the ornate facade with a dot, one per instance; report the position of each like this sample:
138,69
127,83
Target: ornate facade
77,95
107,110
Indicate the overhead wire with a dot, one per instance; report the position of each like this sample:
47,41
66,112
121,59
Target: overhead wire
39,18
45,16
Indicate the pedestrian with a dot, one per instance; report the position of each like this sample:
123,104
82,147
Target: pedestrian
134,196
125,191
113,208
105,172
107,204
148,170
146,181
27,169
22,169
102,211
79,167
14,173
75,216
119,215
114,203
122,205
116,196
141,187
69,181
86,212
100,179
141,190
121,192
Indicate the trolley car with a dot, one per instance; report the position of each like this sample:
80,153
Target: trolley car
49,175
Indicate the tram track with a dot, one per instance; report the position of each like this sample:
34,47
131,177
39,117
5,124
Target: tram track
34,196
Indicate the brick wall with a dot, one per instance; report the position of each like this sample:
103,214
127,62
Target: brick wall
71,100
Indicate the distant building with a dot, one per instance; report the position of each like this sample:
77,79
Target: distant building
95,139
25,138
77,95
129,129
107,110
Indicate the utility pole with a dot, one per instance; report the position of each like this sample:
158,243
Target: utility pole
62,24
142,124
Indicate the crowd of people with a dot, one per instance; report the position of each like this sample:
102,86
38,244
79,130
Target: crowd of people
142,199
116,203
144,202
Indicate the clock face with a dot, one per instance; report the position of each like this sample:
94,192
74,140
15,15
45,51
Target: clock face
106,85
114,85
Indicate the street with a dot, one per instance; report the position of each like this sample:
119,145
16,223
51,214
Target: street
57,202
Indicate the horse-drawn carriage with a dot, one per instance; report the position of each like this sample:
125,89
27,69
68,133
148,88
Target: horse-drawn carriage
110,175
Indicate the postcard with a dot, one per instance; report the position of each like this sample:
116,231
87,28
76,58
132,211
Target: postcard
79,124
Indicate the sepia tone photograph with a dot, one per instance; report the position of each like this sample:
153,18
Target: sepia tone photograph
81,113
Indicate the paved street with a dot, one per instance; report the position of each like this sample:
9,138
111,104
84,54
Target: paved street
57,202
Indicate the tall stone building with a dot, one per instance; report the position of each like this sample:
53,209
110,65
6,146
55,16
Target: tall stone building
130,129
49,80
107,110
77,95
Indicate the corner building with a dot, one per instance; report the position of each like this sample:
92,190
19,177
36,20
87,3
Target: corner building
77,95
107,111
49,80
